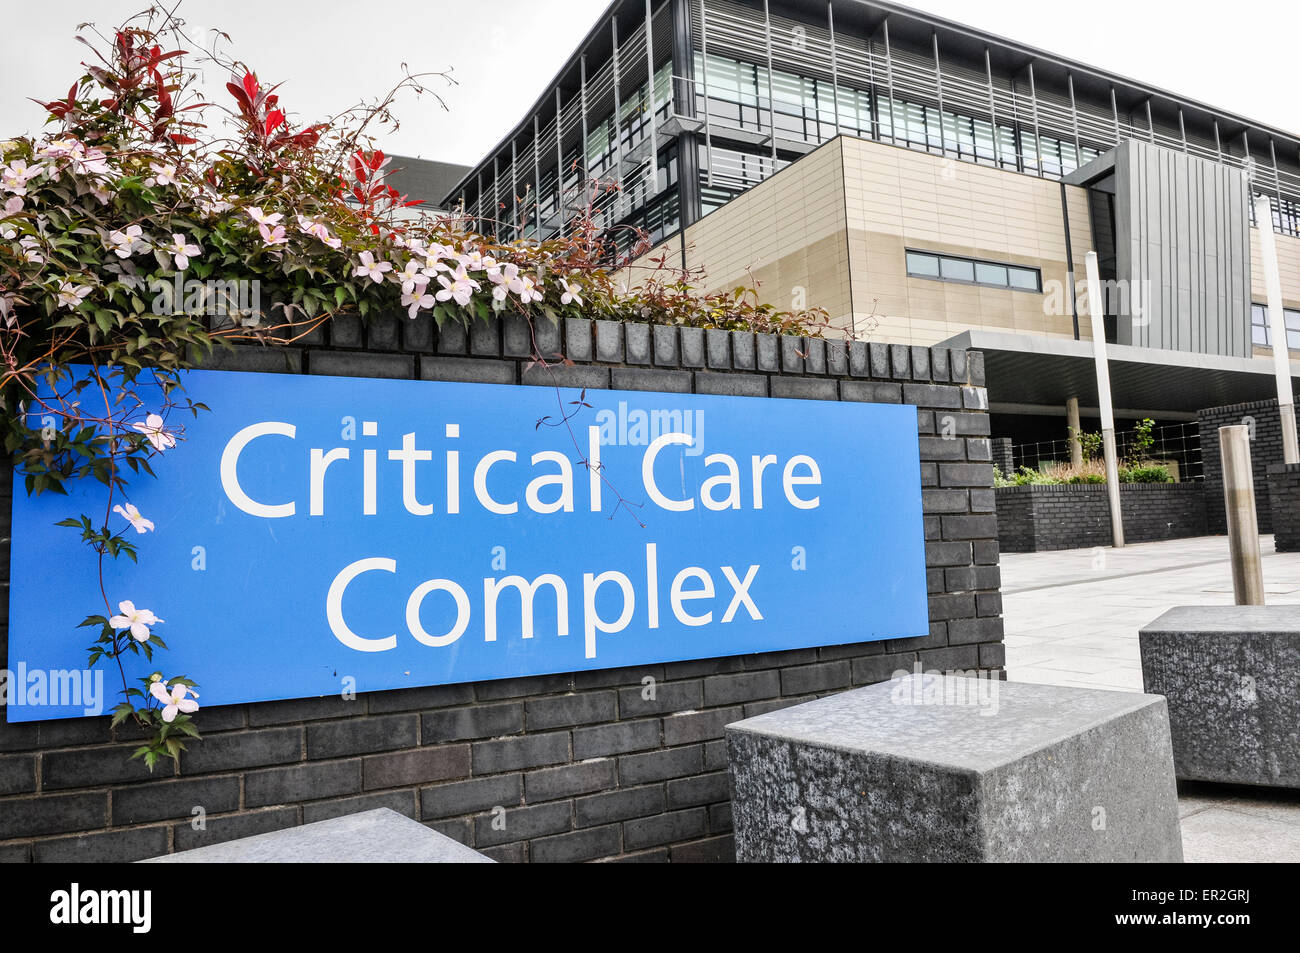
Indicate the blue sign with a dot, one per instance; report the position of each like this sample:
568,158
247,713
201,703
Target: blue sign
315,535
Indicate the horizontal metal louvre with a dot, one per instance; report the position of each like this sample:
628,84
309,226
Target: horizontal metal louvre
752,120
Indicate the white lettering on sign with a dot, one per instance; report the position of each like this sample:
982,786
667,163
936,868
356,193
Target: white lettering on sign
545,484
230,462
692,584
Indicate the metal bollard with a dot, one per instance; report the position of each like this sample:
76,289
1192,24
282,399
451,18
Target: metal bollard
1243,525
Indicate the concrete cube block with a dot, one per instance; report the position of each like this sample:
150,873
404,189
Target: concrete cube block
380,836
929,767
1230,675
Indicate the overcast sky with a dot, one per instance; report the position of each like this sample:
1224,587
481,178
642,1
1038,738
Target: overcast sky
330,53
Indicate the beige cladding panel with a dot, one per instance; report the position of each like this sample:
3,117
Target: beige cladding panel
838,221
787,234
899,199
1288,267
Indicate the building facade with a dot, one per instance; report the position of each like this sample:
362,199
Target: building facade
925,183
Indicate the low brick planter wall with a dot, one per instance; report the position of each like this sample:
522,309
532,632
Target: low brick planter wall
1284,501
565,767
1034,519
1265,424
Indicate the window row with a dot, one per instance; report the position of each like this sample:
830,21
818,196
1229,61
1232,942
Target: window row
814,110
1260,333
972,271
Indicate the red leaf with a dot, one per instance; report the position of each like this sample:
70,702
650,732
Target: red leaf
273,120
164,101
250,86
238,93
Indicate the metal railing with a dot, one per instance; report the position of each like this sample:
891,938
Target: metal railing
1179,444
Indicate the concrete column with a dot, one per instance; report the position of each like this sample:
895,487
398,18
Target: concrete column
1072,420
1277,329
1243,525
1097,313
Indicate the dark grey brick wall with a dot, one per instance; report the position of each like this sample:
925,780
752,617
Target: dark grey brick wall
1265,451
1003,458
553,768
1034,519
1284,501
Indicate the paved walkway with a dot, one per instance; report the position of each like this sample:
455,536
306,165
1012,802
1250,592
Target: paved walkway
1072,618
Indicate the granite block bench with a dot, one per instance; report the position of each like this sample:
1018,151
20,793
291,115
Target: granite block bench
1232,678
380,836
945,768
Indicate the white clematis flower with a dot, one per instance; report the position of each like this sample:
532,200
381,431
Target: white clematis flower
132,516
460,288
507,282
70,296
174,700
137,620
570,295
318,230
127,242
156,433
369,268
181,251
163,174
262,218
530,292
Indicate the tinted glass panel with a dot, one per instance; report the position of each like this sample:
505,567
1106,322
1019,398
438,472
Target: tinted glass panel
1023,278
987,274
955,269
924,265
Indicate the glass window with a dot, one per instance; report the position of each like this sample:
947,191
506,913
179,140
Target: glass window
923,266
1024,279
989,273
957,269
1259,325
1261,331
984,149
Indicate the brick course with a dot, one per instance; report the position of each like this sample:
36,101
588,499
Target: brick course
623,764
1035,519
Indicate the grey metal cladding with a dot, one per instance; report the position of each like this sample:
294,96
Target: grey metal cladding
1183,239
